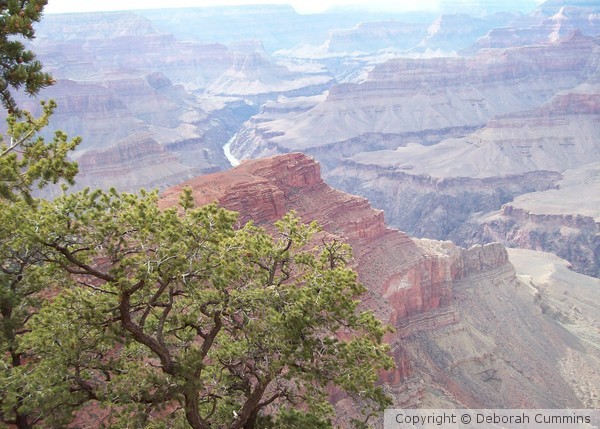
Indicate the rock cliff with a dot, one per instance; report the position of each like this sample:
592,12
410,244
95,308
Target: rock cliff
112,112
138,161
551,21
406,277
564,220
458,313
437,143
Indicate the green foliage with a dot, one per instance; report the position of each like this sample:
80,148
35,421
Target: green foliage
162,318
19,68
25,280
192,318
27,159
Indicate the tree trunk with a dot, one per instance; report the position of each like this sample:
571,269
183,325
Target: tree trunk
192,413
21,421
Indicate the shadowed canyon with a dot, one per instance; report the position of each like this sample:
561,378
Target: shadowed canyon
458,153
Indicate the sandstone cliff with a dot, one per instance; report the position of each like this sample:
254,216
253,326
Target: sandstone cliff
467,331
408,140
406,277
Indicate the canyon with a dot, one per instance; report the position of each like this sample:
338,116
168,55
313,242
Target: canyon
449,146
457,312
457,153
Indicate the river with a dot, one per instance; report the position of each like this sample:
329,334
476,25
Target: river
227,151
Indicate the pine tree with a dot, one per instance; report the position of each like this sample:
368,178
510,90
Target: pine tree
190,320
26,160
18,65
165,318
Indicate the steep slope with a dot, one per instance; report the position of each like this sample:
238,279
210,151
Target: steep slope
424,100
572,300
469,333
516,344
439,142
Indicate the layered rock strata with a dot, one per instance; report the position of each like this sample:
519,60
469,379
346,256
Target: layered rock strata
460,314
406,98
406,277
564,220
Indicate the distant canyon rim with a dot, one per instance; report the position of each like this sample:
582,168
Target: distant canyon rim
474,127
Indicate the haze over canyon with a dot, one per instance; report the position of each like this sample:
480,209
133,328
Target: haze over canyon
457,152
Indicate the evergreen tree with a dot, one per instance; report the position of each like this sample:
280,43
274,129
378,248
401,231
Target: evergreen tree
174,318
188,320
26,160
18,66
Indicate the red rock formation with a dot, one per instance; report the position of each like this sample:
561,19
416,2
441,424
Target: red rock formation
467,332
406,278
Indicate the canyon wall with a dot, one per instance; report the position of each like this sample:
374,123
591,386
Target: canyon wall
462,318
441,143
443,129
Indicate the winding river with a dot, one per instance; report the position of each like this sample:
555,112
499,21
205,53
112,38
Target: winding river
227,151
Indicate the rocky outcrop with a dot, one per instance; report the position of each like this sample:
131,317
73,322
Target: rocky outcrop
551,21
107,110
253,73
530,62
405,276
468,333
110,114
564,220
276,185
136,162
570,236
